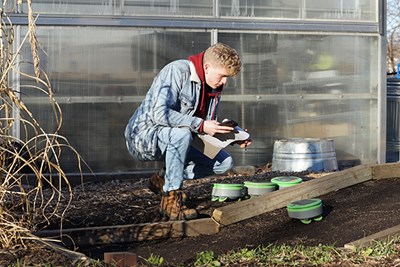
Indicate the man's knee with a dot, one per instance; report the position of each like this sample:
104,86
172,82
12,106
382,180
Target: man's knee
182,136
224,166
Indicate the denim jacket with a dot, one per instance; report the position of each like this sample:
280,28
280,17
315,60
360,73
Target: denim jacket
170,102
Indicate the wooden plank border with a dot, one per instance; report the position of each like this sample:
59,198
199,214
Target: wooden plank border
384,235
386,170
246,209
225,215
132,233
379,171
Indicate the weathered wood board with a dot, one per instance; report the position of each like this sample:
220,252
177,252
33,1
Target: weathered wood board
384,235
384,171
229,214
133,232
278,199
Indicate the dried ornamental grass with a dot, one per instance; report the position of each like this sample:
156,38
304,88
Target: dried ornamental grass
23,207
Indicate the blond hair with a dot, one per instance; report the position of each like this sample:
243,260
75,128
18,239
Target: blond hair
225,56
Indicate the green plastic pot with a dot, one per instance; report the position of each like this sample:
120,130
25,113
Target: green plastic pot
286,181
306,210
259,188
222,192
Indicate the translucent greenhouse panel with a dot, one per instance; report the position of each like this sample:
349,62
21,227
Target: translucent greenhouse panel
123,7
291,85
99,76
308,86
353,10
260,8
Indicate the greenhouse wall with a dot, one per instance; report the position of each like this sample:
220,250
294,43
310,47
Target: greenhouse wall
311,69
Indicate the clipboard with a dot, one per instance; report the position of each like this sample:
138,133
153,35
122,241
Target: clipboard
211,145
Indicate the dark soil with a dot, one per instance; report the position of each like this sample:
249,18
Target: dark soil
349,214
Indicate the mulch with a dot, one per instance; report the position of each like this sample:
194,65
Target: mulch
349,214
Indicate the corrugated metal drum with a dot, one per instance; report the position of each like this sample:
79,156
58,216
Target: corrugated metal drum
393,111
304,154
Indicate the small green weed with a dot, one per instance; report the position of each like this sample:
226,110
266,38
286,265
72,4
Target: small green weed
155,260
206,258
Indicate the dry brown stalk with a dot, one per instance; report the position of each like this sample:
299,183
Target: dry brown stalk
24,207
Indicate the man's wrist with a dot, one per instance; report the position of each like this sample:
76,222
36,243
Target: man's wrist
201,128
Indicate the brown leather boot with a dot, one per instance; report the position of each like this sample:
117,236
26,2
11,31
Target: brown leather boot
173,205
156,183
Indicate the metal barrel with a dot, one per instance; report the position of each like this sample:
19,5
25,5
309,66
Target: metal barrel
304,154
393,111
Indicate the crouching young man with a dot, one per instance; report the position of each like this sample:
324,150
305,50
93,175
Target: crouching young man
182,102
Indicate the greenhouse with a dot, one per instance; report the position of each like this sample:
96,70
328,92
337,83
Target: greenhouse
311,69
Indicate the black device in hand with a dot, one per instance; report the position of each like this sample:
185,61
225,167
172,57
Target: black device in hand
229,123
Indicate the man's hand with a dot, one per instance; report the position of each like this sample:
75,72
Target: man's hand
244,143
229,123
213,127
